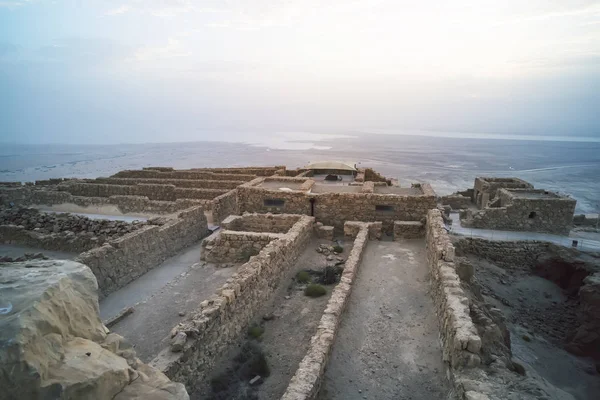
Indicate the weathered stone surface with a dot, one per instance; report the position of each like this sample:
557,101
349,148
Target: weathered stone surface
52,341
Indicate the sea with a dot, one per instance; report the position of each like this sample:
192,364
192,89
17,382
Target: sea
449,161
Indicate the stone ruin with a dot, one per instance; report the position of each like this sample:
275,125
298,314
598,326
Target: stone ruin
514,205
251,231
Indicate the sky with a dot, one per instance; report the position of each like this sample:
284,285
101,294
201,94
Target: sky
131,71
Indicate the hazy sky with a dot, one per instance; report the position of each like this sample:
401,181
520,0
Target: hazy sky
132,71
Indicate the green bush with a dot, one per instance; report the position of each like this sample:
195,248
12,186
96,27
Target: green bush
315,290
303,277
338,249
256,331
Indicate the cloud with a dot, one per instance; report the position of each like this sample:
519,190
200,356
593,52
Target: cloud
7,48
173,49
119,10
13,4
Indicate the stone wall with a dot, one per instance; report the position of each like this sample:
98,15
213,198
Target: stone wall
232,246
274,223
306,382
485,188
336,208
508,254
514,211
61,232
371,175
457,201
408,230
152,191
32,196
461,343
221,320
225,205
120,261
184,174
257,171
184,183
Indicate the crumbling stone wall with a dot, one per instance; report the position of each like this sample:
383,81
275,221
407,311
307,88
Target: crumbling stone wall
62,232
461,343
485,188
408,230
515,212
274,223
151,191
508,254
222,319
459,200
257,171
244,236
306,382
336,208
371,175
120,261
184,183
224,206
32,196
184,174
231,246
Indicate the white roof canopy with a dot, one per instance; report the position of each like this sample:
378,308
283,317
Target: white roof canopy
344,166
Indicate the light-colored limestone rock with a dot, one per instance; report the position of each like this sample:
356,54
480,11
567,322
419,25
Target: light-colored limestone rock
52,341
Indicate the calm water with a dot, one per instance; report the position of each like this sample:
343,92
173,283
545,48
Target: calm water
448,163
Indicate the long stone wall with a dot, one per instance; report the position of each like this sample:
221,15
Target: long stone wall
461,343
184,183
225,205
306,382
120,261
221,320
160,192
186,174
336,208
508,254
30,196
257,171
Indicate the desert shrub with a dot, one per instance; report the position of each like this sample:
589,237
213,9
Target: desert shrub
315,290
338,249
303,277
256,331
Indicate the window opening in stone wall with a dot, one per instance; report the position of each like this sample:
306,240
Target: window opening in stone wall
532,215
385,208
274,202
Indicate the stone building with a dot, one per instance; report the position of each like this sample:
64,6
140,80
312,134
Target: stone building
524,210
337,202
485,188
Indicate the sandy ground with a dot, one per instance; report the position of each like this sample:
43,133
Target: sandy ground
388,346
15,251
287,336
159,296
539,316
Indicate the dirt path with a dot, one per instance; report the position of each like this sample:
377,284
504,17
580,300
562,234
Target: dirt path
159,296
388,346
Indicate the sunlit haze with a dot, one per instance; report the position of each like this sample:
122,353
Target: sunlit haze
160,71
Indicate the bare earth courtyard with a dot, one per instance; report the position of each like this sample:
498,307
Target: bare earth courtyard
325,282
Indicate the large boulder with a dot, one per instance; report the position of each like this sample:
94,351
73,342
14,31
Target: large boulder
53,344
